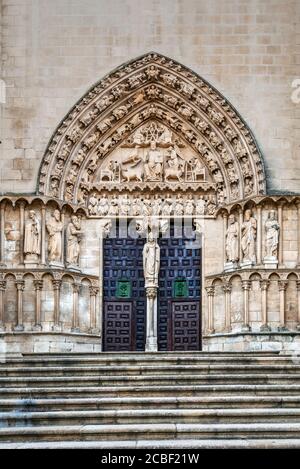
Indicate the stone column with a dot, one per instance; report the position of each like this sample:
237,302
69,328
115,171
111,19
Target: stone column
241,221
75,317
298,224
63,237
22,227
20,284
2,290
93,321
210,294
225,225
264,285
280,246
2,237
56,286
43,235
298,295
259,236
282,285
151,321
227,289
104,230
246,284
38,285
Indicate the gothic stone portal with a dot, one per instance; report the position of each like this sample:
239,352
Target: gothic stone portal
151,142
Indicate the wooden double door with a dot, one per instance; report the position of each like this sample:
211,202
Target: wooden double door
179,296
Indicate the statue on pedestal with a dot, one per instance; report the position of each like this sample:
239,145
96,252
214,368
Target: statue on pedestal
54,228
232,240
248,229
74,236
272,229
32,238
151,261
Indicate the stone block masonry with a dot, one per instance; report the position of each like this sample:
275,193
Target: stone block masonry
52,52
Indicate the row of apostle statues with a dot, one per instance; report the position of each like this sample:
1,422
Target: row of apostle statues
244,236
177,205
55,230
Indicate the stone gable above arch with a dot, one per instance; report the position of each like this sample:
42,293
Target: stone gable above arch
192,125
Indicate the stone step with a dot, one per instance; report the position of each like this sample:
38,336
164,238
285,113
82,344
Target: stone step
150,380
106,403
154,416
29,392
141,359
220,443
150,431
101,370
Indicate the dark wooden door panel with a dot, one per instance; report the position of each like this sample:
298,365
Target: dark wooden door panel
118,326
123,261
185,325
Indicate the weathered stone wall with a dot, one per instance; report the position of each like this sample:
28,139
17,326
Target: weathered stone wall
52,52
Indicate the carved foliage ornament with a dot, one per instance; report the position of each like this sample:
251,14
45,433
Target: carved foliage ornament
152,88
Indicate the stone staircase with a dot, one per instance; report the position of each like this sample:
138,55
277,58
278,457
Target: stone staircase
156,400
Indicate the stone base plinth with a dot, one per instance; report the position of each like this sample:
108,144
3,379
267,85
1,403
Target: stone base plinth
48,342
253,341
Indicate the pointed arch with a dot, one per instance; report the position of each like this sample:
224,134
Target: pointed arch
152,87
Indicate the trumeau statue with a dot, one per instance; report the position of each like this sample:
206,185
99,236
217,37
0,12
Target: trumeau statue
232,240
54,228
248,240
151,261
32,238
272,229
74,236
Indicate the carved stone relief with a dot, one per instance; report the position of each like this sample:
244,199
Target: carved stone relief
152,87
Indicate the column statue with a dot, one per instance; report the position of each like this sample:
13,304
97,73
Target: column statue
232,240
272,229
151,261
54,229
248,238
32,238
74,236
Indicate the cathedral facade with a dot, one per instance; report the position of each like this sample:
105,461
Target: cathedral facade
153,227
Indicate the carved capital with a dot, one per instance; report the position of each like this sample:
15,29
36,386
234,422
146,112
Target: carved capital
76,287
3,285
282,285
246,284
93,290
38,284
264,284
20,284
210,290
227,287
151,292
56,284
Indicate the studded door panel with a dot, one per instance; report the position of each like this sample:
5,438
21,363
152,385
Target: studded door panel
123,259
185,325
179,259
